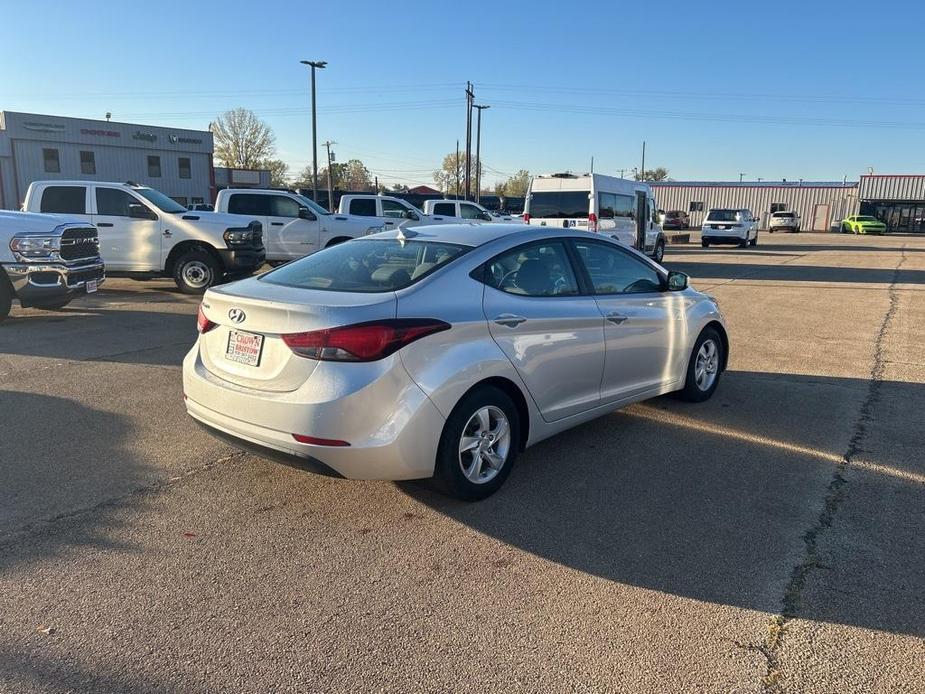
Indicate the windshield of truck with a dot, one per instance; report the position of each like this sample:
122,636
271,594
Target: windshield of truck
559,203
723,215
312,205
161,201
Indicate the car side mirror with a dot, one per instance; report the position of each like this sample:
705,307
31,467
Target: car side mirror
409,214
677,281
305,213
139,211
485,216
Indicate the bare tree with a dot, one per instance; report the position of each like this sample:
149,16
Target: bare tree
453,170
242,140
279,172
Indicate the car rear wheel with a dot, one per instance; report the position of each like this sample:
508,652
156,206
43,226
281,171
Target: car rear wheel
704,367
479,444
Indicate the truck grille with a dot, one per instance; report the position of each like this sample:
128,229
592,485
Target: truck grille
78,243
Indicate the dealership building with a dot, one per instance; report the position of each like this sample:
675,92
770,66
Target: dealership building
39,148
898,200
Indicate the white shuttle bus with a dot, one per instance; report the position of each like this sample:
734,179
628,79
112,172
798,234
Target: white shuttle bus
622,209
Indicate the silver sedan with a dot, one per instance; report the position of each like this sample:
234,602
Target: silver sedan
444,351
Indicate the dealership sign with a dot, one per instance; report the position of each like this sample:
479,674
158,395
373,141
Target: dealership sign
44,127
100,133
147,137
184,140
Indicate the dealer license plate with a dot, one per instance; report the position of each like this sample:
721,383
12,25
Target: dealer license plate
91,286
244,348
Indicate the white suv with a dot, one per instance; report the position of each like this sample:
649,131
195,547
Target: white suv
737,226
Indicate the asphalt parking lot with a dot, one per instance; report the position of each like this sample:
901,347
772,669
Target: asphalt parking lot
770,539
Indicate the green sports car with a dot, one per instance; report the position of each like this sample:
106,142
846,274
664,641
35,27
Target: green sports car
861,224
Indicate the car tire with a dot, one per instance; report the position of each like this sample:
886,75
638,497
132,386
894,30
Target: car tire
659,255
6,297
755,240
744,243
704,244
701,386
52,305
195,271
469,474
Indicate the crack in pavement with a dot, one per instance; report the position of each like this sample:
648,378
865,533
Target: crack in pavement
11,538
835,494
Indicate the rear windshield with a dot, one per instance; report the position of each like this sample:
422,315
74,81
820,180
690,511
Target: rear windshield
559,203
783,214
723,215
366,265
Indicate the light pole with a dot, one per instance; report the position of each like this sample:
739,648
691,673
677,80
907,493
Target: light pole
741,176
319,64
330,184
478,149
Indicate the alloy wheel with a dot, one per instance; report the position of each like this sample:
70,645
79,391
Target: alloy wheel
484,444
706,367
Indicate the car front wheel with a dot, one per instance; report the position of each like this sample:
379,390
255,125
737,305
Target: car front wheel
479,444
704,367
195,271
659,255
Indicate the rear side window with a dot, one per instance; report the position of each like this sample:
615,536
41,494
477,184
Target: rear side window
366,265
625,206
113,202
363,207
64,200
606,204
539,269
249,204
445,208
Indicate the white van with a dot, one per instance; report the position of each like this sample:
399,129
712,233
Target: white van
608,205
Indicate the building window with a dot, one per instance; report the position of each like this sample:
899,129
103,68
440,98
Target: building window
180,200
184,167
87,163
778,207
52,163
195,201
696,207
154,167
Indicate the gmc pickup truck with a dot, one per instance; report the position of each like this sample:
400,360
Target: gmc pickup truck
294,226
144,234
45,262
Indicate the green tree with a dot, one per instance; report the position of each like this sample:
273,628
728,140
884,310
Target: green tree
453,169
516,186
659,174
279,172
242,140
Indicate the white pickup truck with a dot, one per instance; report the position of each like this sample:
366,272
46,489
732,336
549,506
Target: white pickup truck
145,234
294,226
465,211
45,262
389,212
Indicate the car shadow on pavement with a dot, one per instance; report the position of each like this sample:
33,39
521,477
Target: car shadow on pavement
54,476
797,273
104,334
714,501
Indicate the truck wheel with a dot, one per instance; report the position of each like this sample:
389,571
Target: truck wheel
6,298
659,253
195,271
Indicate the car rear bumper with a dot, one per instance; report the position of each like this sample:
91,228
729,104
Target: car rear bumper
392,427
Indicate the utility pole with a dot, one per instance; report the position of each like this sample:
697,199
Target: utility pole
314,64
470,99
741,176
330,183
622,171
478,153
457,170
642,171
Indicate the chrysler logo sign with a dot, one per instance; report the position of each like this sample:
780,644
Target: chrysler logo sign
237,315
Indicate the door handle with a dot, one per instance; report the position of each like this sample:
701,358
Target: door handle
616,318
276,224
167,233
509,320
104,224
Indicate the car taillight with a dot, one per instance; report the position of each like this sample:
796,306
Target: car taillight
592,222
362,341
526,218
203,324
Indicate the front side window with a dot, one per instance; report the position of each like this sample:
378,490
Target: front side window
64,200
390,208
614,271
52,162
87,163
185,169
559,203
366,265
283,206
114,202
363,207
154,167
470,212
625,206
249,204
539,269
445,208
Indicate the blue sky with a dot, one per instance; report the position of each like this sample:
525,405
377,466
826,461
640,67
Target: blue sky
818,90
